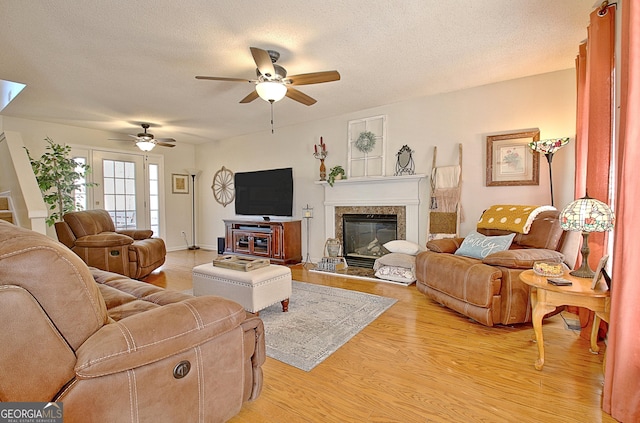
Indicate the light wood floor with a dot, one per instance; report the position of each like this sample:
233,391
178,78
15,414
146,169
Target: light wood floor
420,362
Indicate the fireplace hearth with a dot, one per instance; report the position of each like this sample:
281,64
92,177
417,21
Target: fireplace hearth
363,237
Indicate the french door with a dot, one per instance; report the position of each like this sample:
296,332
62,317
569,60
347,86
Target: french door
121,188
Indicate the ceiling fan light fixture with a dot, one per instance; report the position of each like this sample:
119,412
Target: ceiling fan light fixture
145,145
271,91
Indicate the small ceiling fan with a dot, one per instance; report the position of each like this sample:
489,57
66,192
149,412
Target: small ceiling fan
273,84
145,141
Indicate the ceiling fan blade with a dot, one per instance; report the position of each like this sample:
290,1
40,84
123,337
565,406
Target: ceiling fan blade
252,96
118,139
314,78
165,140
263,62
221,78
165,144
300,97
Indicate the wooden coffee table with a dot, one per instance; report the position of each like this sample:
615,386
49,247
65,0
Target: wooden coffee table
546,297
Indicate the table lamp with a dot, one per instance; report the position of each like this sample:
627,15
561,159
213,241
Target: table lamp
548,148
586,215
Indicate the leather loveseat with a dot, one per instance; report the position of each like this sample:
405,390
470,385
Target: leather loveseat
92,235
490,290
113,349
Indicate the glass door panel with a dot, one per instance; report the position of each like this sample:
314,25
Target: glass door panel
121,188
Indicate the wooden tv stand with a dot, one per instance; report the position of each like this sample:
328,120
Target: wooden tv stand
281,242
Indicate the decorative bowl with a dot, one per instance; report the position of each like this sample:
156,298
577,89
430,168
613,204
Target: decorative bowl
548,268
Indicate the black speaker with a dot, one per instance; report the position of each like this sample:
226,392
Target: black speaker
220,245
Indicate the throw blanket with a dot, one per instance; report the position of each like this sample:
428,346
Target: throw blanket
511,218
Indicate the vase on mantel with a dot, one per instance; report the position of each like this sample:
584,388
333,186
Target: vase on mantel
323,171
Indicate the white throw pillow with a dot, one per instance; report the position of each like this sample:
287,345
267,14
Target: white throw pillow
403,246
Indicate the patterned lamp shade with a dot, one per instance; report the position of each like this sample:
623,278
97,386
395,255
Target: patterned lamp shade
587,215
549,146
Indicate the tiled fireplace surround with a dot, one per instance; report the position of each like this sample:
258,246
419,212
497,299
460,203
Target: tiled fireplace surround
399,195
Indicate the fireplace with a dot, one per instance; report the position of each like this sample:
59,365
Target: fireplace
363,237
400,196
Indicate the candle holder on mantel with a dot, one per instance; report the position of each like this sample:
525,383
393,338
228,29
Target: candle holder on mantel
320,153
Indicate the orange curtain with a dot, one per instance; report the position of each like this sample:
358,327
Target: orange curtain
594,67
622,375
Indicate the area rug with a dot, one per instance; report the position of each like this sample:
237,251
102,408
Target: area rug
320,320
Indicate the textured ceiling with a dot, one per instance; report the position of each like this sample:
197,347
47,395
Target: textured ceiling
112,64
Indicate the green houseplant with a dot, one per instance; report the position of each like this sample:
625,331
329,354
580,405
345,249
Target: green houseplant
336,172
59,176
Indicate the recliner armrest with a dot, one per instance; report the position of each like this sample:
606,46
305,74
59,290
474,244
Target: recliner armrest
445,245
137,233
522,258
156,334
104,239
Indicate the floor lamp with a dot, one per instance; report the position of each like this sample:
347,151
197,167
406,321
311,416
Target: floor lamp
548,148
193,173
307,213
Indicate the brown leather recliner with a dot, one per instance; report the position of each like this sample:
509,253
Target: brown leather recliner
113,349
92,235
490,291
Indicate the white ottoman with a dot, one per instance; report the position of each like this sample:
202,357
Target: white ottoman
254,290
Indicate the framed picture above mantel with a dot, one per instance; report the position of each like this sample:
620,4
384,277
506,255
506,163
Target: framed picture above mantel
366,147
510,160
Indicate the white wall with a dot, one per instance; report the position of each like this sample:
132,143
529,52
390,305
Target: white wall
544,101
177,159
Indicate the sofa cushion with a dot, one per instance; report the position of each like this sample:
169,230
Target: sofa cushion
522,258
478,246
396,260
403,246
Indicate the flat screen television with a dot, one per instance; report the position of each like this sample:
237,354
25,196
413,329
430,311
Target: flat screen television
264,192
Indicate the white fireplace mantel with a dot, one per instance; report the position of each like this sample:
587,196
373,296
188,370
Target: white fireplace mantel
375,191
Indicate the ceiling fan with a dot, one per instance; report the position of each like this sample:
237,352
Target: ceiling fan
273,84
145,141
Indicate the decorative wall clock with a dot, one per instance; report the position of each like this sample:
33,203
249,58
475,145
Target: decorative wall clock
223,187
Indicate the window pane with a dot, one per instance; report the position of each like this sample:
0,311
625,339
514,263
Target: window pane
129,170
110,202
119,186
119,171
107,168
130,202
130,186
108,185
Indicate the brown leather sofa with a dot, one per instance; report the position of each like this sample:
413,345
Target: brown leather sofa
113,349
92,235
490,291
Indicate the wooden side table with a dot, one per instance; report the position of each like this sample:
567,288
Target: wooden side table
546,297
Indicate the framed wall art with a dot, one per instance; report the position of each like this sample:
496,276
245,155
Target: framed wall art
510,160
179,183
366,147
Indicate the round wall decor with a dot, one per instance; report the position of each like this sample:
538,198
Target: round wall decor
223,188
366,141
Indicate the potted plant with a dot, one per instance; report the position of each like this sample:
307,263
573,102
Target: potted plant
335,173
59,176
